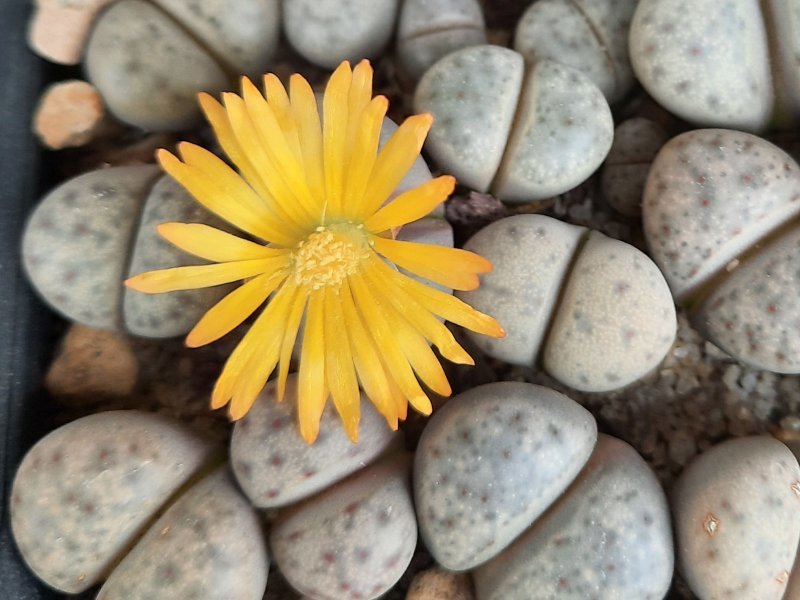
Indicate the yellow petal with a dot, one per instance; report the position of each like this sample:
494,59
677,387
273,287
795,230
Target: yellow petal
289,338
287,166
202,276
375,318
358,98
334,135
312,391
339,370
451,267
286,205
382,278
451,308
224,193
362,158
263,360
395,159
412,205
218,118
263,339
213,244
306,114
232,310
367,361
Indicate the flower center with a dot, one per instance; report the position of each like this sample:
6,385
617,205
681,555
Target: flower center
329,255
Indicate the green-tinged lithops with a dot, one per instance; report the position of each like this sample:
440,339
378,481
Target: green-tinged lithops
84,492
522,137
208,545
741,495
608,536
354,540
427,30
167,315
490,462
636,143
707,65
719,209
596,312
327,32
588,35
149,60
274,466
75,245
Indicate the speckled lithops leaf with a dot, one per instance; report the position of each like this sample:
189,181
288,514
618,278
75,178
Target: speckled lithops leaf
148,68
76,242
354,540
275,466
615,320
710,195
472,95
83,493
707,63
530,256
490,462
738,496
208,545
608,536
754,313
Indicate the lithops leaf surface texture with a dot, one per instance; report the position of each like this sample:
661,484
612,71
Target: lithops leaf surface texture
740,495
608,536
707,61
490,462
710,195
84,492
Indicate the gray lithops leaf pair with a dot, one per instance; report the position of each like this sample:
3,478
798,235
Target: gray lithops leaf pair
149,59
85,506
588,35
427,30
523,133
323,545
76,246
594,311
490,468
736,522
719,216
714,66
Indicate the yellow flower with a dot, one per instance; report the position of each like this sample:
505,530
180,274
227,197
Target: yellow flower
313,196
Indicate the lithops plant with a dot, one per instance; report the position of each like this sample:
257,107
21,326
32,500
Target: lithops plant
84,492
149,59
206,545
636,143
595,312
490,462
739,495
91,232
607,536
524,136
354,540
76,246
427,30
715,67
276,467
326,32
588,35
719,216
